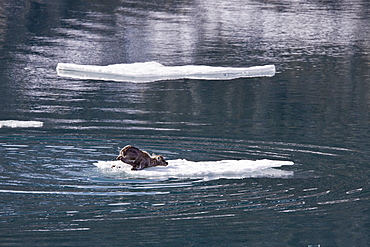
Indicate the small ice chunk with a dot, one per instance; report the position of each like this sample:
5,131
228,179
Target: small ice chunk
20,124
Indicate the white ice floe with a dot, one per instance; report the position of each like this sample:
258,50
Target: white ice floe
153,71
20,124
207,170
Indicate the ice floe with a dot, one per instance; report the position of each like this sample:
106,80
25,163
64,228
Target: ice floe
153,71
207,170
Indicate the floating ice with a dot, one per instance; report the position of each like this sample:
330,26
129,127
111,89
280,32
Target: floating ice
153,71
207,170
20,124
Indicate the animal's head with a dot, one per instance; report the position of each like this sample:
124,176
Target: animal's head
160,160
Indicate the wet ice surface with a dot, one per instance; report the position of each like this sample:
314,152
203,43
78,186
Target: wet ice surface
153,71
206,170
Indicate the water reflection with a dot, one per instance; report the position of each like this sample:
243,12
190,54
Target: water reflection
201,32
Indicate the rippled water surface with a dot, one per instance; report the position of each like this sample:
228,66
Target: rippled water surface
314,112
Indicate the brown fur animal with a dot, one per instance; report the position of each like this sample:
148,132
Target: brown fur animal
140,159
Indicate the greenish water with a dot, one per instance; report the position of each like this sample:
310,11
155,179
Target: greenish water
314,112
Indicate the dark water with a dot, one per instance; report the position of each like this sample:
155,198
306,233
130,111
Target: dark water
315,112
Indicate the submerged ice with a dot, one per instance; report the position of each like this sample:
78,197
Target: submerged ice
153,71
207,170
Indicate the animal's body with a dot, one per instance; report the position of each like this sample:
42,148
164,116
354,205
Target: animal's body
140,159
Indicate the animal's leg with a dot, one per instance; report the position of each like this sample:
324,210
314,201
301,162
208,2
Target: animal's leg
138,166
